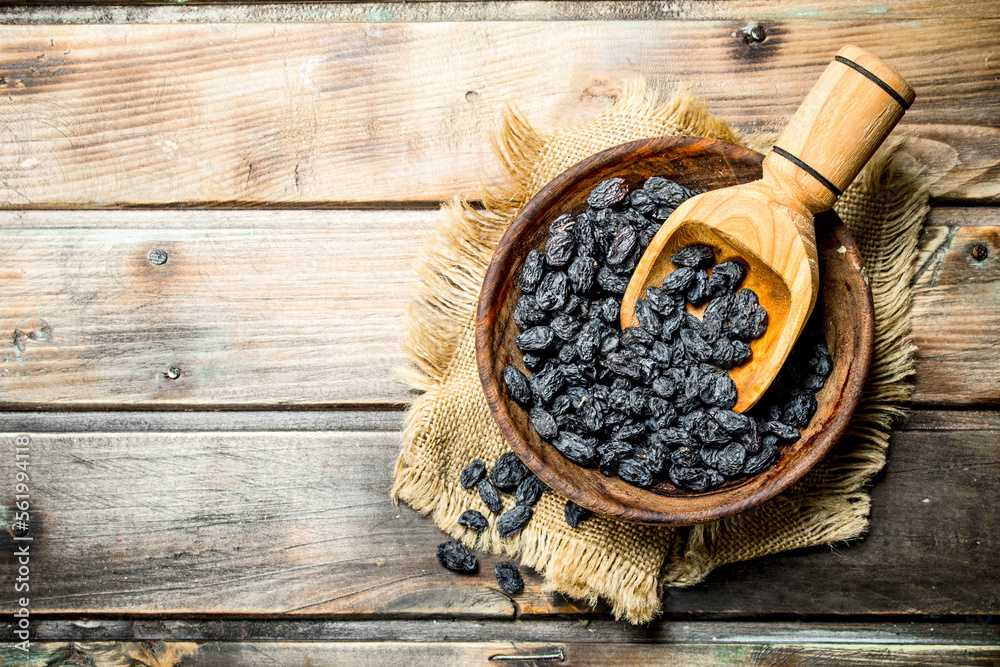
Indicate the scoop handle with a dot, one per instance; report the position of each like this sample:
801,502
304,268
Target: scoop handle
839,126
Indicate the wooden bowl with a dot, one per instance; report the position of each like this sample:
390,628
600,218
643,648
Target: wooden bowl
845,305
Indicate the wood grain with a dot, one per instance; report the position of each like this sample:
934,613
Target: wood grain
296,11
104,116
972,632
489,654
276,308
300,524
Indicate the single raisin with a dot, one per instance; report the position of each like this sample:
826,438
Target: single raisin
575,514
513,520
490,497
509,578
473,520
508,472
472,473
457,558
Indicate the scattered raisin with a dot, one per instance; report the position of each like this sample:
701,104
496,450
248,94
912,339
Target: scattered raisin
457,558
472,473
473,520
575,514
509,578
512,521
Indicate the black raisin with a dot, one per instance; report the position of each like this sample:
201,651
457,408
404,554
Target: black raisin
695,347
588,340
696,256
610,309
581,273
611,281
622,245
490,497
508,472
661,301
575,514
529,491
820,361
531,273
693,479
565,326
552,291
685,457
547,382
782,431
575,448
457,558
623,365
608,193
679,280
711,432
535,339
761,460
734,422
472,473
559,248
636,471
509,578
726,277
731,459
664,386
473,520
642,202
697,293
544,423
799,409
561,224
666,192
636,336
531,361
527,312
648,318
513,520
517,385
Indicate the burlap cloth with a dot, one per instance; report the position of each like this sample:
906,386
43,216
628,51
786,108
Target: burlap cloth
628,564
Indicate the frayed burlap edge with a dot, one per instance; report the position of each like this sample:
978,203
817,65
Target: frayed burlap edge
829,506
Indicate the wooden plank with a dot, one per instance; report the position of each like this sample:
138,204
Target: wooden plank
300,523
100,116
269,522
295,11
216,420
229,312
489,654
954,316
255,310
973,632
113,421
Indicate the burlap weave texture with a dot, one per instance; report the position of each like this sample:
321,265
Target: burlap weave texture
623,563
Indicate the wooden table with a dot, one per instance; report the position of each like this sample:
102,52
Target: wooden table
211,437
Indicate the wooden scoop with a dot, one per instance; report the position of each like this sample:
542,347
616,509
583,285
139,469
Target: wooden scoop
768,224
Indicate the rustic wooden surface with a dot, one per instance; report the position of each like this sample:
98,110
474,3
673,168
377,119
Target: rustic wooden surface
281,154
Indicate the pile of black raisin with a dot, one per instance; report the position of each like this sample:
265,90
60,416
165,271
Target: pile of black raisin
651,401
509,475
